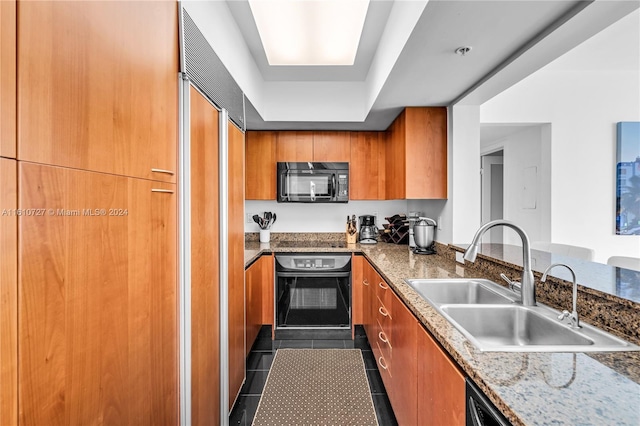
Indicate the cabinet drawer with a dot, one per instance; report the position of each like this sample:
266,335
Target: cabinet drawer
383,291
383,316
384,342
384,366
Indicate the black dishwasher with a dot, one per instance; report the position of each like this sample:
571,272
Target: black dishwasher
480,411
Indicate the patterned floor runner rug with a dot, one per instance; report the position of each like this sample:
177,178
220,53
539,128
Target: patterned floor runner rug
316,387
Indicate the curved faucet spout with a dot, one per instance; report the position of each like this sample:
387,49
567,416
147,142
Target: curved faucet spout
528,290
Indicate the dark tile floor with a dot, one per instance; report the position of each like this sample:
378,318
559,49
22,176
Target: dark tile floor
260,359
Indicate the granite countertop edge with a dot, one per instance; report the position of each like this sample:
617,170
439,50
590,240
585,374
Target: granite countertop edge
534,401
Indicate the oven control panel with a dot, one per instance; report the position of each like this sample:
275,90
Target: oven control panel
306,262
314,263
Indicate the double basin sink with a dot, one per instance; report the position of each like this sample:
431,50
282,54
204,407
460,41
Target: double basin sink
492,318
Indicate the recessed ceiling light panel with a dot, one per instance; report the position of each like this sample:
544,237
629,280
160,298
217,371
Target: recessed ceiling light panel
310,32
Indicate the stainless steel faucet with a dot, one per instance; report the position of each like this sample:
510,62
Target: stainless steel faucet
574,321
528,289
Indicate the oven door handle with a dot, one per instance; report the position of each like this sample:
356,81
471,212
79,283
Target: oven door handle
318,274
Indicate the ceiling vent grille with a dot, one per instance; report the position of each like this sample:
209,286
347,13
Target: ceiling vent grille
207,72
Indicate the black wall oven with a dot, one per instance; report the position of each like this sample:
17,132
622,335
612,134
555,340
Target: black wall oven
313,182
313,291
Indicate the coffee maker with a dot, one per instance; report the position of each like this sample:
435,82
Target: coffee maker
368,230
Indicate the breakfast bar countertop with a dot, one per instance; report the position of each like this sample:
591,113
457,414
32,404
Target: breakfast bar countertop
528,388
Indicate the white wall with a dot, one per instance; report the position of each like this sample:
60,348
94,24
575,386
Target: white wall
583,95
461,213
521,150
303,217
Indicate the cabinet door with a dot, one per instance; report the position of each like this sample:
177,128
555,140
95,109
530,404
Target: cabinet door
97,299
426,152
395,159
404,387
98,88
205,266
441,392
268,290
294,146
8,78
253,277
366,170
8,293
260,166
357,279
331,146
236,263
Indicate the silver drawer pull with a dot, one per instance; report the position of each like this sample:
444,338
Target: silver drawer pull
165,191
383,337
382,286
365,282
383,311
381,362
168,172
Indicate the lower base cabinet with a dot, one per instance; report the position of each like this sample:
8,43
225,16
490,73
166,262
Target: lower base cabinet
441,385
425,387
259,283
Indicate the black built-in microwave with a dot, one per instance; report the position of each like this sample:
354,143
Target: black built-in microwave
313,182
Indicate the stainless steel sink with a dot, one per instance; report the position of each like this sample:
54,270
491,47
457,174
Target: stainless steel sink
489,316
467,291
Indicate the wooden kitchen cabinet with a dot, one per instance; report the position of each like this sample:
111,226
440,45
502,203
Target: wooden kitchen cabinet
331,146
369,304
268,290
8,78
98,86
292,146
260,164
367,166
235,266
357,291
8,293
416,154
253,319
97,298
205,263
259,303
404,389
441,385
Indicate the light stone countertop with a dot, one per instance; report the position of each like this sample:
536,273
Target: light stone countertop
528,388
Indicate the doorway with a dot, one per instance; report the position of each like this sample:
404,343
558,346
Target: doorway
492,195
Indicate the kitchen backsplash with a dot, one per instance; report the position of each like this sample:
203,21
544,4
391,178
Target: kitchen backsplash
304,217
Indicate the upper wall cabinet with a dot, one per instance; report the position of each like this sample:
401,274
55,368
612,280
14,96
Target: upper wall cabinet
260,166
367,167
97,86
8,78
331,146
294,146
416,160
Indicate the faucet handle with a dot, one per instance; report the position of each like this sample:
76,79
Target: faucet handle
513,285
564,315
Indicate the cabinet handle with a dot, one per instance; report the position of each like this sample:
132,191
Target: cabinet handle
165,191
365,282
382,286
381,362
383,311
383,337
167,172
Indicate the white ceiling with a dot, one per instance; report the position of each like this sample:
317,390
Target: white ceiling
406,57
